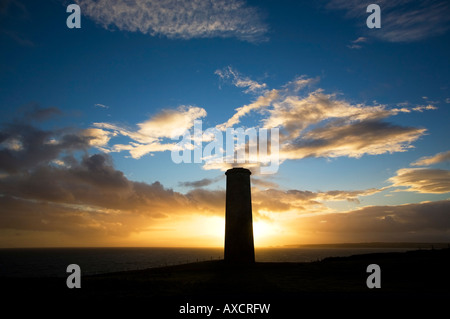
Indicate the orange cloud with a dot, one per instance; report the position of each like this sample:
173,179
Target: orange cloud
422,180
438,158
427,221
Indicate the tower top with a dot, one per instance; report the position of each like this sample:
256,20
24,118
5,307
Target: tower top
238,170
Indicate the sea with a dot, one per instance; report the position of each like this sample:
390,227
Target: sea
53,262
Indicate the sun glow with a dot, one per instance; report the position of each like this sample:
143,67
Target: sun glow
263,233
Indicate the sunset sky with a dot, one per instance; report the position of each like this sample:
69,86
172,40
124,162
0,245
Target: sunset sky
89,118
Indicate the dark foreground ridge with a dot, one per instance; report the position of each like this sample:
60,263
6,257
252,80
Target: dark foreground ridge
411,279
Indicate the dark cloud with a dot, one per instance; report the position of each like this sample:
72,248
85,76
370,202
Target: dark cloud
384,223
201,183
23,146
90,197
50,183
93,183
207,201
33,112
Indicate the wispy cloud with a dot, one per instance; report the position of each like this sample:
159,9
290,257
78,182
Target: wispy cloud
422,180
267,97
401,20
356,44
261,102
421,108
241,81
18,38
430,160
150,135
201,183
179,19
102,106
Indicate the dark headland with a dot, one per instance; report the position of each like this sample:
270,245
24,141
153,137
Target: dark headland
419,278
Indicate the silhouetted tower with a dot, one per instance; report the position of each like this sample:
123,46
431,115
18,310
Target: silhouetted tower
239,247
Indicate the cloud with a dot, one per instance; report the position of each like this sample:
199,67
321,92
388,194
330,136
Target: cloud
263,183
96,137
33,112
241,81
171,123
201,183
45,186
438,158
295,113
422,180
401,21
93,182
102,106
320,125
350,196
353,140
354,46
427,221
208,201
151,133
278,201
302,202
52,186
90,197
261,102
310,123
23,146
360,40
179,19
355,43
58,191
421,108
49,183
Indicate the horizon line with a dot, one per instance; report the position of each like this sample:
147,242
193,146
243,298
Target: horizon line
378,244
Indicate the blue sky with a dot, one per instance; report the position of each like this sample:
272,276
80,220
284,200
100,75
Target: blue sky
357,109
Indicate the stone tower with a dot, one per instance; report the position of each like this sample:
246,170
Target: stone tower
239,247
